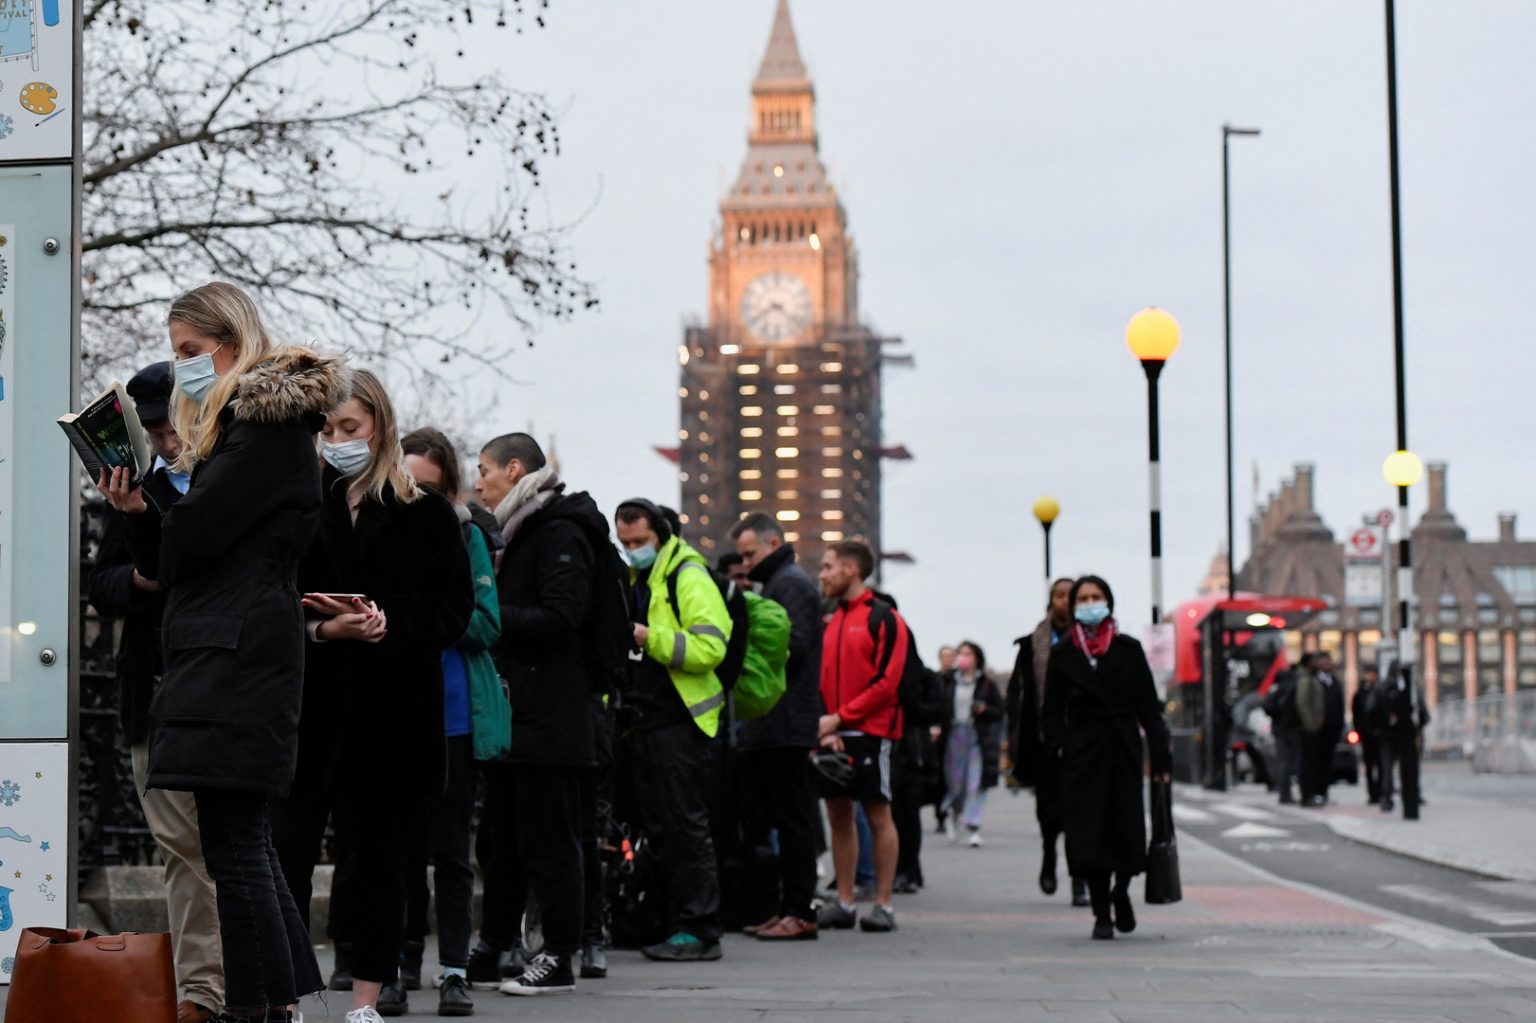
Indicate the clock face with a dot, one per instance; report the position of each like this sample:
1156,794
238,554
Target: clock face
776,306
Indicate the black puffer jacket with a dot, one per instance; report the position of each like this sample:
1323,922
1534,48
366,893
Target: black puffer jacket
226,715
544,583
387,697
988,724
792,723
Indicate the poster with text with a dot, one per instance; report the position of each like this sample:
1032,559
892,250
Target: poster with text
7,436
34,841
36,79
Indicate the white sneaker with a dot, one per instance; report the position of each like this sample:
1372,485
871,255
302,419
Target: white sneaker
949,830
975,840
367,1014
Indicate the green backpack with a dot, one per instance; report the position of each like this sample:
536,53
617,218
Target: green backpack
756,654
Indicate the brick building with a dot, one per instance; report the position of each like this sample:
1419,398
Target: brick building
1474,604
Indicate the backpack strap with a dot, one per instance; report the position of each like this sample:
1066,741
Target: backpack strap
677,611
885,638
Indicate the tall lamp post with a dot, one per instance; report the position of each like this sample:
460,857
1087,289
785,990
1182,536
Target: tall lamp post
1227,131
1153,336
1403,469
1046,510
1402,465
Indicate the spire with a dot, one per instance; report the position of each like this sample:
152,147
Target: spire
782,66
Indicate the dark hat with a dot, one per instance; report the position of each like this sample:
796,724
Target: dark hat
660,522
150,390
1109,594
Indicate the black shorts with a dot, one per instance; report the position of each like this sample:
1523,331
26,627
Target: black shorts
871,781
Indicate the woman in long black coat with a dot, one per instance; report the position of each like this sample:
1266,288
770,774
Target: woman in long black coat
1099,698
371,736
223,723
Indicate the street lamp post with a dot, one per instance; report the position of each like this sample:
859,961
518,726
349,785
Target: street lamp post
1046,510
1153,336
1403,469
1406,651
1227,131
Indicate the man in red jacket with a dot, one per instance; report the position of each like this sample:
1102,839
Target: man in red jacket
861,666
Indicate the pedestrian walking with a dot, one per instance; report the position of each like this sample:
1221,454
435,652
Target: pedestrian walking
548,582
1365,721
1320,706
1285,724
971,740
477,723
117,590
1401,718
387,588
1099,698
674,706
863,655
773,750
224,721
1034,766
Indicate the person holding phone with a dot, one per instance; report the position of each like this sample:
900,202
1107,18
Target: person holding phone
387,588
224,720
1099,698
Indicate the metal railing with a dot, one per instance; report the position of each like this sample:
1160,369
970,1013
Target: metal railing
1497,732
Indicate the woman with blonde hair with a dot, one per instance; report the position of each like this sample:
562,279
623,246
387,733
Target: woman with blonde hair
388,588
224,721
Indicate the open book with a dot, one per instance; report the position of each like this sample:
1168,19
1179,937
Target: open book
107,434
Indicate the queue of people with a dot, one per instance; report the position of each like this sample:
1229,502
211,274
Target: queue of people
352,651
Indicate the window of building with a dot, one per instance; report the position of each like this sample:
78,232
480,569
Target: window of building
831,431
825,410
749,370
751,411
831,367
789,431
750,495
831,473
783,388
1450,615
832,452
751,474
787,452
831,535
751,431
1490,647
789,410
682,434
748,389
1450,647
787,515
751,452
831,388
788,474
1487,616
833,515
788,369
1519,581
831,495
788,495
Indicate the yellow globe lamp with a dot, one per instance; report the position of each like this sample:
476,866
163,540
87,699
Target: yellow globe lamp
1046,510
1403,468
1153,335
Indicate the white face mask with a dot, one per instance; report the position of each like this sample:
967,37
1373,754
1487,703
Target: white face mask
349,458
196,375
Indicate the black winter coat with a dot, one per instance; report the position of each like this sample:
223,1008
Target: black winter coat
989,723
544,583
1091,718
384,697
793,722
113,595
226,715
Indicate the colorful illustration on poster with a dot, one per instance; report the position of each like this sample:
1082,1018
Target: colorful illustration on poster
19,23
37,57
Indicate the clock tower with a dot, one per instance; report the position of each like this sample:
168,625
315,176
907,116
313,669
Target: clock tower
780,392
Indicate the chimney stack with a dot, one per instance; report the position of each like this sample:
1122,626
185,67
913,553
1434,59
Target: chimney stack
1304,496
1437,483
1506,527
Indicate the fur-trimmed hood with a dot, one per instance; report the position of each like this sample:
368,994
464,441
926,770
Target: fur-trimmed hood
290,384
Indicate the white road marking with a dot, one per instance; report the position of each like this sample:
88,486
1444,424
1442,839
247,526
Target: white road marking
1485,911
1519,889
1252,830
1191,815
1243,812
1292,846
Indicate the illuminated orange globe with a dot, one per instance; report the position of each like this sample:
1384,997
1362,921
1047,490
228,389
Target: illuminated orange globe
1152,335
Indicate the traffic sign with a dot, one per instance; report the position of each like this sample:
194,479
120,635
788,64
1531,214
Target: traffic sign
1385,518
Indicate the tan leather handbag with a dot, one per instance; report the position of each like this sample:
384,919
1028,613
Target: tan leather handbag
78,976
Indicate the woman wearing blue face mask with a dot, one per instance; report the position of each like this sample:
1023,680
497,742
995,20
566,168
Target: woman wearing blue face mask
1099,698
387,588
225,715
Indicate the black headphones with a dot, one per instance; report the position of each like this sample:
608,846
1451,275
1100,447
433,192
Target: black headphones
653,514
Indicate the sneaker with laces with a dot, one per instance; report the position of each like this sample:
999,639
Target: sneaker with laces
485,967
975,840
833,917
878,920
367,1014
683,947
546,974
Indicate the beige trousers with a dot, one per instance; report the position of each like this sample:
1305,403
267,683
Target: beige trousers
189,893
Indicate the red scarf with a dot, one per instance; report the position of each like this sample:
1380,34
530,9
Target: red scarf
1094,643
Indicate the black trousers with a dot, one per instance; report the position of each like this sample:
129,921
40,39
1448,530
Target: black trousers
1317,763
594,894
907,799
672,772
1099,891
439,834
1402,750
368,890
781,797
1288,745
268,960
534,815
1370,759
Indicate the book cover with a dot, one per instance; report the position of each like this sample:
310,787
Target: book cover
107,434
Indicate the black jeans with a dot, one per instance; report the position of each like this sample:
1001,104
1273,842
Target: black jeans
440,835
1370,760
1402,750
1288,744
534,815
907,811
672,768
1317,764
268,960
781,797
594,895
368,888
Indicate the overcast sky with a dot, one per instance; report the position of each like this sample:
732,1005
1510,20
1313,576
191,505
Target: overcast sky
1021,177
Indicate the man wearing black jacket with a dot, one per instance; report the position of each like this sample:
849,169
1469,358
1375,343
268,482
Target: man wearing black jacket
119,591
775,750
544,581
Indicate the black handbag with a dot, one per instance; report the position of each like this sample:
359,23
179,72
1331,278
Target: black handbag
1163,884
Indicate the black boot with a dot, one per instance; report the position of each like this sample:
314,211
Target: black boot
1048,869
1080,892
341,975
1125,916
1103,923
410,964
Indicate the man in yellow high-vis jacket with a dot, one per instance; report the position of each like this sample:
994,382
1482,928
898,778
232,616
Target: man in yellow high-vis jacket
673,707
